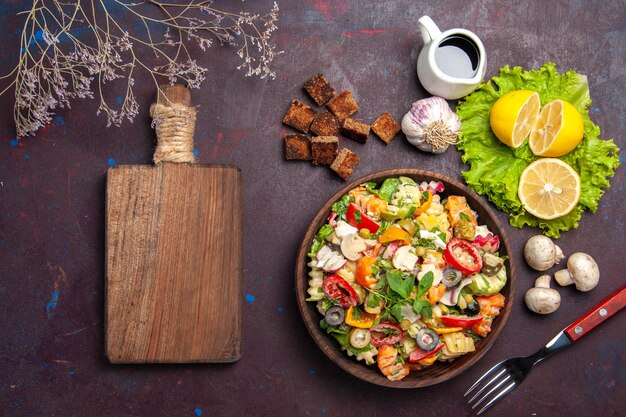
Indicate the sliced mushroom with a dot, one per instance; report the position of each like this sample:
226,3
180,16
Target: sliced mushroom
541,298
541,253
404,259
581,270
352,245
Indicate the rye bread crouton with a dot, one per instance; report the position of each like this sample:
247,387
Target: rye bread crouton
324,149
319,89
299,116
355,130
343,106
297,147
325,124
345,162
386,127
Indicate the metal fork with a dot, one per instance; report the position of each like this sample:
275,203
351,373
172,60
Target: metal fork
507,375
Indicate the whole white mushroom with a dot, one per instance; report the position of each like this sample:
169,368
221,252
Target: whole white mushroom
581,270
541,298
541,253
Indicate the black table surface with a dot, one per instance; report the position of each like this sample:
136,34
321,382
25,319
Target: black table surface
52,190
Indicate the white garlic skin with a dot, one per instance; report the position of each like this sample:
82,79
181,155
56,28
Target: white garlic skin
422,114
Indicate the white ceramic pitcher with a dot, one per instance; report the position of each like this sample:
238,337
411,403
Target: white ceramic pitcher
452,63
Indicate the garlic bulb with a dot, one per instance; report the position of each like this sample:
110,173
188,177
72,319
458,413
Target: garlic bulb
431,125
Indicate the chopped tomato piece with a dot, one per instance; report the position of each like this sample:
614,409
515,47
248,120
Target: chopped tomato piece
460,321
360,220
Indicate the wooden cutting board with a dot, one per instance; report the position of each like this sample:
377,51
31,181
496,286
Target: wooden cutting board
173,261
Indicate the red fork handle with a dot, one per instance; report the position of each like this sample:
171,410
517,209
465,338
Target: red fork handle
605,309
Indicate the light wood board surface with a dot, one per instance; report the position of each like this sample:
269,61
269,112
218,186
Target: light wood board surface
173,263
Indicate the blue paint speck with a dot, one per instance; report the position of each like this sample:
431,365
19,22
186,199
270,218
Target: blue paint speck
59,120
250,298
26,156
111,162
14,142
323,410
71,372
39,35
196,152
51,305
622,158
312,371
197,411
119,100
280,310
269,278
596,110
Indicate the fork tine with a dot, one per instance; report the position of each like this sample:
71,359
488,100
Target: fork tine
508,389
487,374
491,381
492,390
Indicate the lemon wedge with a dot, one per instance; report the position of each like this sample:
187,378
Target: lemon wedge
549,188
513,116
559,129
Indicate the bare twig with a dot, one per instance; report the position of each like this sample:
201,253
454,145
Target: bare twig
66,46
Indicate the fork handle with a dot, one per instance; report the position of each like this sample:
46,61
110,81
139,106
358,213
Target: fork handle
598,314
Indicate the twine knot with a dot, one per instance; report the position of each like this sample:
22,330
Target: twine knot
174,124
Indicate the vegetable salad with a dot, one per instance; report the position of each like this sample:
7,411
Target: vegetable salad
404,277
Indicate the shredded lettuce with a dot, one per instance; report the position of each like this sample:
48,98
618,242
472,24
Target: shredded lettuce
495,169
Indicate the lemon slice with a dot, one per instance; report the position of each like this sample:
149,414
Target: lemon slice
559,130
549,188
513,116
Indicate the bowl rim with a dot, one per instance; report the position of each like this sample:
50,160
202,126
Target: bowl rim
357,368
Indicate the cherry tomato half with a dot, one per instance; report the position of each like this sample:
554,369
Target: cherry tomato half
460,254
337,288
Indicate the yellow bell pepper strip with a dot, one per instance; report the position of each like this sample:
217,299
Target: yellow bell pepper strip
395,233
364,275
425,205
458,209
435,293
428,361
446,330
360,319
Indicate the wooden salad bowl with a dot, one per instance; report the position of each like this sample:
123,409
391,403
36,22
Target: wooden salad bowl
440,371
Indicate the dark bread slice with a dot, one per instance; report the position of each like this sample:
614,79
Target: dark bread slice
343,106
319,89
299,116
345,162
386,127
297,147
355,130
324,149
325,124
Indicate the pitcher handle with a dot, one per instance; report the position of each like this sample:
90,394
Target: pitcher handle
428,29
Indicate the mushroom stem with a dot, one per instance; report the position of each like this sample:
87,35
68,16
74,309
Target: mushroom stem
558,254
543,282
563,277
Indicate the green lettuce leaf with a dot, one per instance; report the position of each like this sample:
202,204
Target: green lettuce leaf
495,168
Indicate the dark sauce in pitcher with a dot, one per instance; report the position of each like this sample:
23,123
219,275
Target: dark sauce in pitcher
458,57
